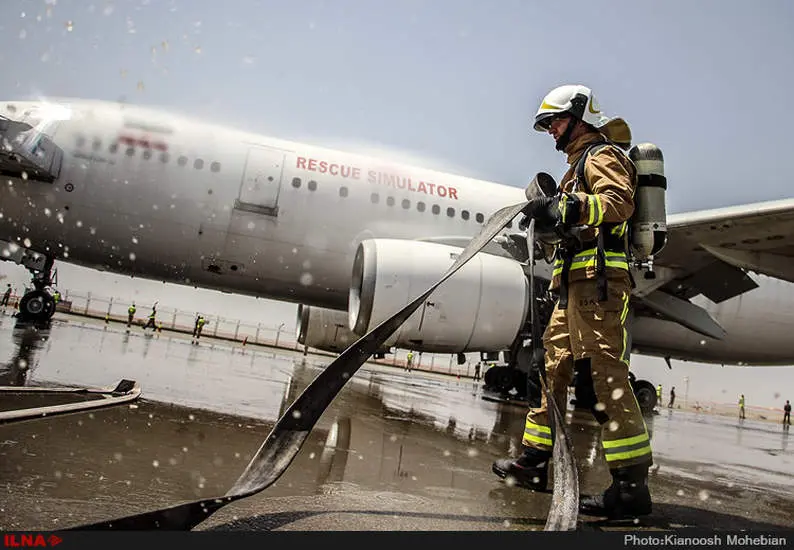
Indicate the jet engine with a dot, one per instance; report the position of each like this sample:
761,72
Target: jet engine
480,308
324,329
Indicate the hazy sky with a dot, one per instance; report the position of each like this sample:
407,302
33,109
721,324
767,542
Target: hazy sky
453,82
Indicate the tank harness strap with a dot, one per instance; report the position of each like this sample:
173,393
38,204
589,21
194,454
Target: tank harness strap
601,268
601,275
567,260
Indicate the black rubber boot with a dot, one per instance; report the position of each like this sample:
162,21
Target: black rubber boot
530,470
627,497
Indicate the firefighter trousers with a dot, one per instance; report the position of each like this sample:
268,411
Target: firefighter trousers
589,339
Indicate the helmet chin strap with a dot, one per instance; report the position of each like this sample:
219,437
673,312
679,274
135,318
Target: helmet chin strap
576,113
565,138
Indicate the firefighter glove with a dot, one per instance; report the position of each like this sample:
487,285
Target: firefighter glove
560,211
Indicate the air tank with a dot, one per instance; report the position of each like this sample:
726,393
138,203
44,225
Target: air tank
649,222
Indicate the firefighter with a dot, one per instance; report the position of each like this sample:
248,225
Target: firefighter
151,321
586,340
199,326
130,314
196,324
6,296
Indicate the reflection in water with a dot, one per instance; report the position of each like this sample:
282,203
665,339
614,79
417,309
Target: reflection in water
147,342
335,453
386,433
27,338
125,342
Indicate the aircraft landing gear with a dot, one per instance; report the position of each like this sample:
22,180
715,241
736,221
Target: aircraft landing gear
645,393
38,305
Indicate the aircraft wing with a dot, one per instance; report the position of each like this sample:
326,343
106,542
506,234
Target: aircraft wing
710,252
758,237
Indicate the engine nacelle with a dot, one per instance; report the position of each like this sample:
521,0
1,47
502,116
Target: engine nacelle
480,308
324,329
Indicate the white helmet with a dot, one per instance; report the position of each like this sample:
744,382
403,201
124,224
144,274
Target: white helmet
579,102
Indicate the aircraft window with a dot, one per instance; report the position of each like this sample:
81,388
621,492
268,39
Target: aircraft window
479,217
215,166
182,160
97,144
406,204
390,201
147,154
451,212
312,185
113,147
420,206
198,164
343,191
375,198
130,151
464,214
164,157
436,209
296,182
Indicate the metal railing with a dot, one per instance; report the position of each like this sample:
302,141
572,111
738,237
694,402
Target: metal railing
114,310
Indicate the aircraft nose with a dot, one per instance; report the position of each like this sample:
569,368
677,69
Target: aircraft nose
10,110
26,146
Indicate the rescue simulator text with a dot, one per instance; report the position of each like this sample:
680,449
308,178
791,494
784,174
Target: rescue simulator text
374,176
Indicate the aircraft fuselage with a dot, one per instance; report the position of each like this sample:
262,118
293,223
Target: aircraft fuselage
141,192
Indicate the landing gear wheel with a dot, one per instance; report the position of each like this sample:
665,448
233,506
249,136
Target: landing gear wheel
646,396
37,306
499,379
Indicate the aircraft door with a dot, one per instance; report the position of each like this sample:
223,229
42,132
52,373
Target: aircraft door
261,183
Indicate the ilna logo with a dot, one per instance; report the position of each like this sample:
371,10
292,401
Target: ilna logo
29,541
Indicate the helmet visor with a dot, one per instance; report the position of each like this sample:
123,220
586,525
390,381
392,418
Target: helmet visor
544,121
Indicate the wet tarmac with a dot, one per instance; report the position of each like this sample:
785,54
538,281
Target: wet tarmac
394,451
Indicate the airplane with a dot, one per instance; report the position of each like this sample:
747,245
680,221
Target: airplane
351,238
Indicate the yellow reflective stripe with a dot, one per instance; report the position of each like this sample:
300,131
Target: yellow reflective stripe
595,211
537,439
580,261
529,425
537,433
629,454
626,441
562,209
590,253
619,230
625,355
625,312
628,447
